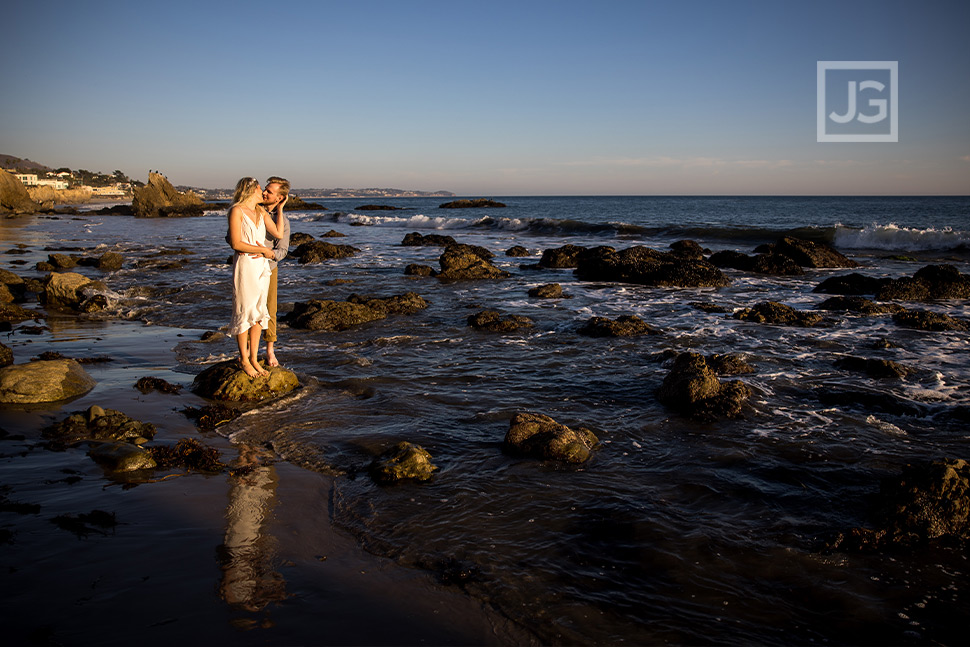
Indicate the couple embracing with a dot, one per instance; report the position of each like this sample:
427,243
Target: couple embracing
254,213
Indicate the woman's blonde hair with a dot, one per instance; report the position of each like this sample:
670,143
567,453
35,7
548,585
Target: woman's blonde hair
245,188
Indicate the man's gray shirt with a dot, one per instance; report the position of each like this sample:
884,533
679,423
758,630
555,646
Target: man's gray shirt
280,245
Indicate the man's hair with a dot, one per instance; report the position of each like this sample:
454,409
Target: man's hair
284,185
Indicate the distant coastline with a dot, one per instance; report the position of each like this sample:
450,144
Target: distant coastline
320,194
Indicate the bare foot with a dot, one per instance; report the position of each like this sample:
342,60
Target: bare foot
249,369
271,358
259,369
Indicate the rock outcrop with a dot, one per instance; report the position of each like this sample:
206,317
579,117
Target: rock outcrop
771,264
927,503
464,262
929,283
928,320
227,382
858,305
415,239
403,462
539,436
693,389
106,425
68,290
548,291
622,326
333,316
809,254
14,198
471,204
44,381
159,199
645,266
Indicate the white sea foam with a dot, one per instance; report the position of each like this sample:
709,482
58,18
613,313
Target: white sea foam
893,237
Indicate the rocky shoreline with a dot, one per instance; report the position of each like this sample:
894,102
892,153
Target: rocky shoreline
926,506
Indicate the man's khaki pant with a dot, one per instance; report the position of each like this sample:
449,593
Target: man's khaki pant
270,333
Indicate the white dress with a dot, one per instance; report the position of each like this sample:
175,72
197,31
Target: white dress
250,282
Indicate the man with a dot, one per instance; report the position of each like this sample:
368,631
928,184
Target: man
274,196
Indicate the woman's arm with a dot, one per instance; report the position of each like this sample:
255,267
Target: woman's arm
235,236
275,226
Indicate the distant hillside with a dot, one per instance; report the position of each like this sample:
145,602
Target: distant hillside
9,161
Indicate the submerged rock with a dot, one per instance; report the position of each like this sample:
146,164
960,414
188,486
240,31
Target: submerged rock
622,326
645,266
44,381
693,389
493,321
772,312
403,462
415,239
878,368
538,436
189,454
99,424
858,304
226,381
548,291
850,284
471,204
926,320
210,416
340,315
927,502
517,251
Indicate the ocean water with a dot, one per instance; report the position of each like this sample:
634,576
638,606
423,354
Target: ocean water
675,531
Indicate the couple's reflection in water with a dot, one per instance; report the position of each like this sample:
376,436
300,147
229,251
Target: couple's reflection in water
248,558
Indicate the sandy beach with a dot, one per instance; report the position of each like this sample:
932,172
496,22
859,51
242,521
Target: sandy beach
159,571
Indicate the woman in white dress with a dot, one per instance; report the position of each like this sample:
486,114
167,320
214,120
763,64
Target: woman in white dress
248,224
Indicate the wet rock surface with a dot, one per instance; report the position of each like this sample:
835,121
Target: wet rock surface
645,266
226,381
403,462
772,312
693,389
342,315
538,436
493,321
622,326
43,381
97,423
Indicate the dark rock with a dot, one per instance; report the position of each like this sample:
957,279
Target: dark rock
930,282
692,388
46,381
622,326
772,312
149,384
95,303
316,251
688,249
548,291
159,199
121,457
539,436
728,364
377,207
470,204
877,368
566,256
82,525
333,234
296,203
809,254
493,321
44,266
645,266
927,503
6,355
709,307
414,239
477,250
461,263
771,264
415,269
227,382
68,290
926,320
61,261
213,335
403,462
517,251
851,284
298,238
857,304
340,315
107,425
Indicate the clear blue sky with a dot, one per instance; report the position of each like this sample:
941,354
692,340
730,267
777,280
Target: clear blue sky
485,98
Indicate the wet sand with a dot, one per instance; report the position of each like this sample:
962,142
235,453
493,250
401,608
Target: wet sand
193,558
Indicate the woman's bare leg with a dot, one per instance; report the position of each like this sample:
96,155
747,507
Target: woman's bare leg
242,340
254,350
